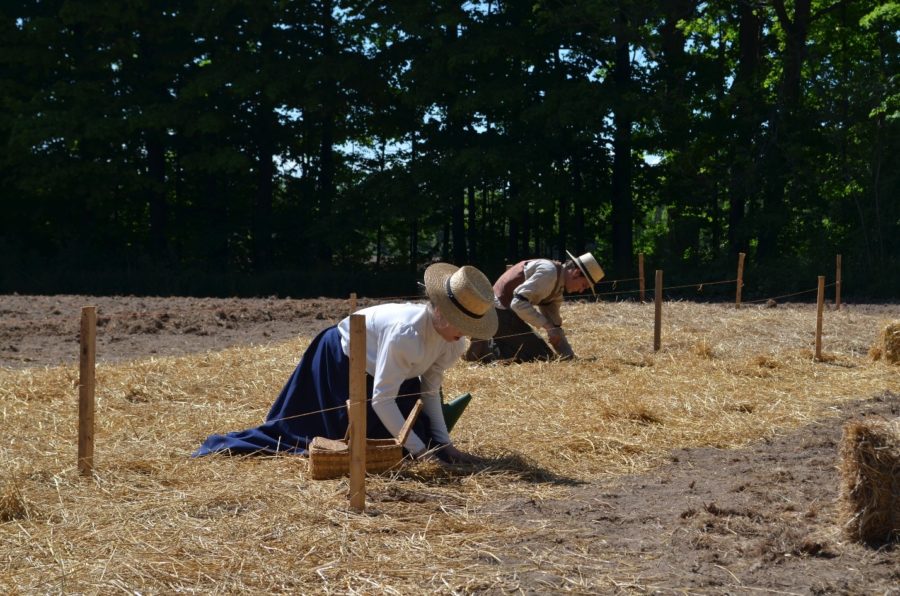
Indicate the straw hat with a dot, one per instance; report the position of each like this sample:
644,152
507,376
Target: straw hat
465,297
592,270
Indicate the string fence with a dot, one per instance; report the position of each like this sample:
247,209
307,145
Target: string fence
612,283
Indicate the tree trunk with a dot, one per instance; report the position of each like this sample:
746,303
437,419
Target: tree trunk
458,217
159,208
782,159
445,241
526,233
681,176
578,204
563,229
214,237
326,146
512,244
746,122
265,188
471,232
622,203
413,244
414,221
379,244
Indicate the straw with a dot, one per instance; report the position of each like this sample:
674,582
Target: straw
153,520
870,496
887,345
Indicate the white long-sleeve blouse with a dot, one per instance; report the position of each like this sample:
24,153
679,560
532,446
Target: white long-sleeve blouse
401,343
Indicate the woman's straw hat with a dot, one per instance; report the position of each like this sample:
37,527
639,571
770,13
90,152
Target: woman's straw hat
592,270
464,296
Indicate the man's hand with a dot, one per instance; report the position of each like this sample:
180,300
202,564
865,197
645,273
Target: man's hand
555,335
565,350
557,338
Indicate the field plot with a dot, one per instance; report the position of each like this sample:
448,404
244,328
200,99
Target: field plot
707,467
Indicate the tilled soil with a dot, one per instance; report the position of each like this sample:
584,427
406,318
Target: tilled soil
760,519
44,330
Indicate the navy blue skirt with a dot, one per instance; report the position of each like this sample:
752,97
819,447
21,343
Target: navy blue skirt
313,403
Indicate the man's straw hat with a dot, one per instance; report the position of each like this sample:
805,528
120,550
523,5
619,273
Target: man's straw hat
464,296
589,266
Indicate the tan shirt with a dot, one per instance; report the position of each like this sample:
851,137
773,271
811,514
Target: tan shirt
535,294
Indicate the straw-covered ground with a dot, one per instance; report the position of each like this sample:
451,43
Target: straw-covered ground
710,466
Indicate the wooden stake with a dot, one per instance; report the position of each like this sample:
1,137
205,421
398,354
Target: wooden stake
740,280
657,326
837,284
358,412
352,302
641,275
87,362
820,305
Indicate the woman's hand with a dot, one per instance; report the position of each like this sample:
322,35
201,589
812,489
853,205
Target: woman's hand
425,455
452,455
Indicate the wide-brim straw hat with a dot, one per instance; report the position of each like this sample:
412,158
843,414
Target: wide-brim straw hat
464,296
589,266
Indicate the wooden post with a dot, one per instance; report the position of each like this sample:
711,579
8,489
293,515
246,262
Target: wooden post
657,326
740,280
641,275
352,302
820,305
358,412
87,362
837,284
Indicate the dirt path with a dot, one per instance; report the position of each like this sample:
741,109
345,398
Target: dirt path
761,519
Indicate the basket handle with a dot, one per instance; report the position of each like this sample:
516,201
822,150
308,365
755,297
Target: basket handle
349,424
404,430
407,426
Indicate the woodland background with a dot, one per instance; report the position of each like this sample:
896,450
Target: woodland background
256,147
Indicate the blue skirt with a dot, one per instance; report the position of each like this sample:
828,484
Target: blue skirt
313,403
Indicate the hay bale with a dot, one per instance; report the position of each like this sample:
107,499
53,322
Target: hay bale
888,344
870,492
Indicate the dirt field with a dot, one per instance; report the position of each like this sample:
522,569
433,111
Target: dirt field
712,521
43,330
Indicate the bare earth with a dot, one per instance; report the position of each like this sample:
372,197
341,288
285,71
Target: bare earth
711,521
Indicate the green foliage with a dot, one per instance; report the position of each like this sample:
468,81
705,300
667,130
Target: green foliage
245,146
887,13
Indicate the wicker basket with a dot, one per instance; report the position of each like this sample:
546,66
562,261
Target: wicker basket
330,458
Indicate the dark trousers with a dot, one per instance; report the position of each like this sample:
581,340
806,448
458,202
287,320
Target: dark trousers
514,341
